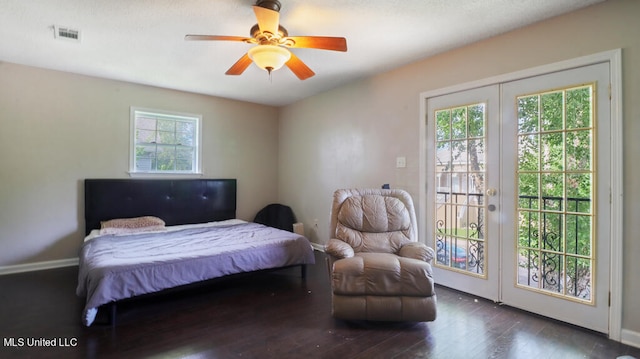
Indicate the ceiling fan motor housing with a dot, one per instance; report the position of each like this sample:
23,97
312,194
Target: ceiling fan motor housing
255,31
269,4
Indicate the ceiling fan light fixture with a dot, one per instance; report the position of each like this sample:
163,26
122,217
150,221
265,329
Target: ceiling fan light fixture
269,57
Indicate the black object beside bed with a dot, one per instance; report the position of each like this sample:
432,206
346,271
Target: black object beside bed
114,267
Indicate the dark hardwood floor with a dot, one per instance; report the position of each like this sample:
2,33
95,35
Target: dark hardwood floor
271,315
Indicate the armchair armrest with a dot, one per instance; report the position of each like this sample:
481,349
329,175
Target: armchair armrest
338,249
417,250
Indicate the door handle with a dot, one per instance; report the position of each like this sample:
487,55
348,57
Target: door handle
491,192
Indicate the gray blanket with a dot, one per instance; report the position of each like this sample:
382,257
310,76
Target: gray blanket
118,267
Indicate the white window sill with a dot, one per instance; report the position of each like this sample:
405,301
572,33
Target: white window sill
164,174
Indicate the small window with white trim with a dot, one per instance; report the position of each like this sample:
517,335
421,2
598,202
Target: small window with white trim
164,142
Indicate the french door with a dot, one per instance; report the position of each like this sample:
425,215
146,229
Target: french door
517,199
463,139
556,239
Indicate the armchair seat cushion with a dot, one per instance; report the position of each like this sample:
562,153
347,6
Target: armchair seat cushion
382,274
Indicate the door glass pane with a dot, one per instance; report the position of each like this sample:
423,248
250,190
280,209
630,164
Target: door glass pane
460,177
555,187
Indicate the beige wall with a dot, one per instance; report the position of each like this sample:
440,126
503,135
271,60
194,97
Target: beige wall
352,135
57,129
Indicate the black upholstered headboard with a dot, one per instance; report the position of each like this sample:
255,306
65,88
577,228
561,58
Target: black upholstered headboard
176,201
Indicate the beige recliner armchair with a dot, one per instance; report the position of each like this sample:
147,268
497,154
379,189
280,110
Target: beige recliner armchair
378,270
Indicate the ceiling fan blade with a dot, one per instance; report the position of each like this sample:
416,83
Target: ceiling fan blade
318,42
268,20
299,68
217,38
240,65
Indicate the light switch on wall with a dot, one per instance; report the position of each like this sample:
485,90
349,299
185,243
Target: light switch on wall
401,162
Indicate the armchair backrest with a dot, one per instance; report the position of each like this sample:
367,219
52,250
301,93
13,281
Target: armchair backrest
373,220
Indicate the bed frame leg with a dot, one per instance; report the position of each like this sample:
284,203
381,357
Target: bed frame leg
112,314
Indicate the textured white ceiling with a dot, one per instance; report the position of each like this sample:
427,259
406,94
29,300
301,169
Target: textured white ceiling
142,41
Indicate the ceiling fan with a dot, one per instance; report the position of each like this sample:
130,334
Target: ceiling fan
272,41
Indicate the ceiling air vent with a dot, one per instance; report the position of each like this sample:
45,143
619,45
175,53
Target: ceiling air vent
66,33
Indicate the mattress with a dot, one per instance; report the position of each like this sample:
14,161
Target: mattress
115,267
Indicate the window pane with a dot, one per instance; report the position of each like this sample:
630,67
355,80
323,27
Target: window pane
552,231
459,122
579,108
528,152
528,114
443,127
528,268
552,268
552,111
145,158
166,158
579,235
459,156
552,188
167,125
476,120
145,136
579,150
166,137
184,153
186,127
551,152
443,156
579,277
183,165
528,190
184,139
528,229
146,123
579,192
476,155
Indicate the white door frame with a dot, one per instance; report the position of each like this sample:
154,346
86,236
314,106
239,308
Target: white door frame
614,57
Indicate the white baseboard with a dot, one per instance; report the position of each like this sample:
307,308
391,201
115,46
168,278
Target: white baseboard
629,337
317,247
30,267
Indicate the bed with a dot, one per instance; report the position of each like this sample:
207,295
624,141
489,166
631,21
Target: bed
144,236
